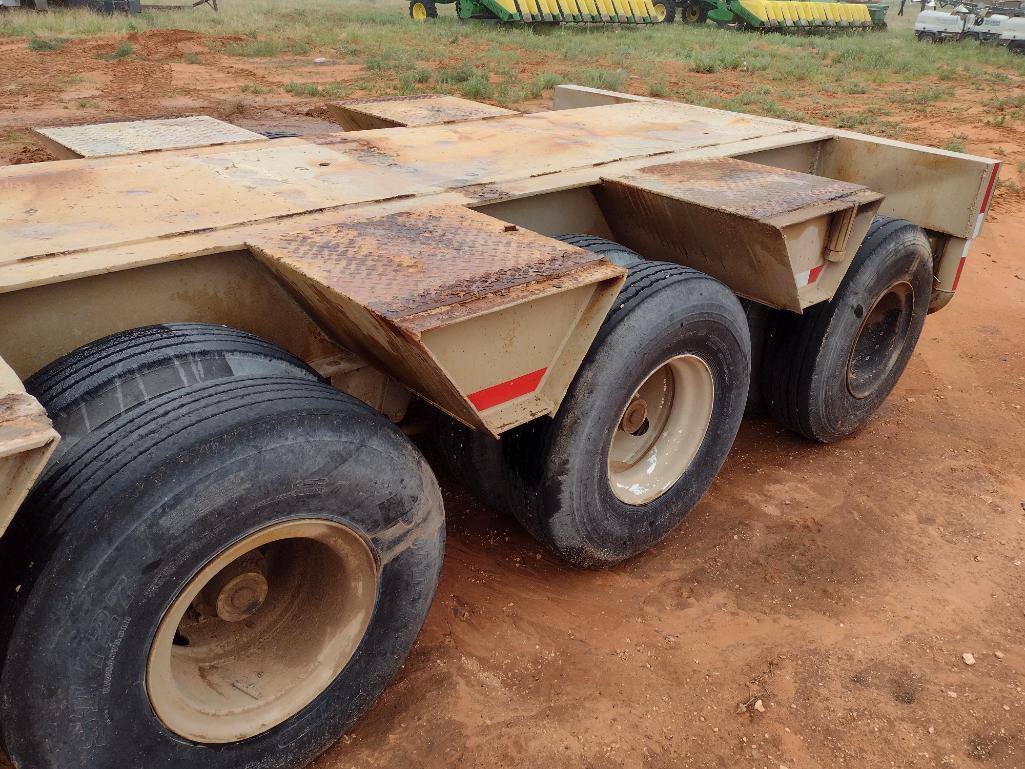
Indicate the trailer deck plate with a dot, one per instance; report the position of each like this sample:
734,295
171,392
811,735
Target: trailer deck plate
110,139
781,237
737,187
428,109
408,262
458,304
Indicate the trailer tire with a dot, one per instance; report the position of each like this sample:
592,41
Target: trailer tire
614,252
1017,47
98,381
335,495
759,320
826,377
666,9
671,327
477,460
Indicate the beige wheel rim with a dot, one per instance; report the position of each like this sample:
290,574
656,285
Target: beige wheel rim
419,11
660,12
661,429
261,631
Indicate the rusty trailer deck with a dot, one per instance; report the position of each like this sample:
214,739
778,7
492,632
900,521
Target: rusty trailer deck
424,249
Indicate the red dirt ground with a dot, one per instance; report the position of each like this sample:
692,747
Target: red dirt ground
811,613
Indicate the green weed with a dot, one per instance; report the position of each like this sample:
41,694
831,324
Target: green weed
956,143
45,44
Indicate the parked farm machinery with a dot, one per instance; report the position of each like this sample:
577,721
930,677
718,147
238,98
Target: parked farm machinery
786,15
776,15
532,11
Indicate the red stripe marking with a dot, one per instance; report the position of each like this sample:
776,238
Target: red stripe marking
814,272
506,391
989,189
960,267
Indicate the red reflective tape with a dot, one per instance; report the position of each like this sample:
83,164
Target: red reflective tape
506,391
960,267
989,189
814,272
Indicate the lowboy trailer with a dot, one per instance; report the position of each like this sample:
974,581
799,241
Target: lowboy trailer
220,543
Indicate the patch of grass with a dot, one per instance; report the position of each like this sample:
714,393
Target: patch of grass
46,44
329,90
926,95
548,80
253,88
302,89
124,49
956,143
387,60
658,90
477,87
611,80
408,81
191,58
760,101
456,75
507,92
1007,102
266,48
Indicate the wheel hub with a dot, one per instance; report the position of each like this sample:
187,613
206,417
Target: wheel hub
880,340
634,417
237,592
261,630
661,429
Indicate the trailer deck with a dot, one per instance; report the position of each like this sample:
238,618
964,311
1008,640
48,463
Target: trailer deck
608,168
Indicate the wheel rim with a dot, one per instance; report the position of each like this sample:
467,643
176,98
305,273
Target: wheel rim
692,13
261,631
660,12
661,429
880,340
419,11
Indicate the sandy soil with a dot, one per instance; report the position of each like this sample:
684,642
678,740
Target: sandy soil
812,612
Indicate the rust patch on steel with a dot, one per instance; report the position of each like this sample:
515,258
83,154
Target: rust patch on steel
412,261
484,193
745,189
442,316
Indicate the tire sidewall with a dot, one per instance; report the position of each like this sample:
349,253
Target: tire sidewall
897,259
672,321
85,656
